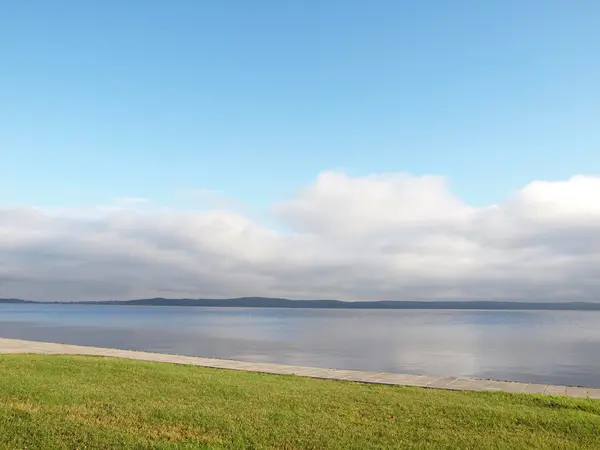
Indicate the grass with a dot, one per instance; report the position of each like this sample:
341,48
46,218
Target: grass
68,402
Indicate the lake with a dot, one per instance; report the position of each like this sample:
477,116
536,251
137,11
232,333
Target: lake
557,347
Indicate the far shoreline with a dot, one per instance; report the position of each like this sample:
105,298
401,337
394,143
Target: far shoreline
282,303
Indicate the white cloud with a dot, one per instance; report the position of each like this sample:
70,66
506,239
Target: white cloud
131,201
385,236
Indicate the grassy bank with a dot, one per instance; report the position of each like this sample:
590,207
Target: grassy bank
49,402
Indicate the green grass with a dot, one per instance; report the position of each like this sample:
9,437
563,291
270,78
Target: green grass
55,402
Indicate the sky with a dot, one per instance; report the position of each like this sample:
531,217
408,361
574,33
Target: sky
354,150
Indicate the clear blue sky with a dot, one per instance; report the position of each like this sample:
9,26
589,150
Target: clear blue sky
103,99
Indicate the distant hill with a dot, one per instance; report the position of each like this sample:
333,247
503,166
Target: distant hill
14,300
266,302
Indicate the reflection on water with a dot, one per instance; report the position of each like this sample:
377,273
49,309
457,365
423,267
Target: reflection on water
558,347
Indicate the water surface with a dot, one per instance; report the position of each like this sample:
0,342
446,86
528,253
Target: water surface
557,347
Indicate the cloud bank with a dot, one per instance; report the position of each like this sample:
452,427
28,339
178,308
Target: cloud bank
384,236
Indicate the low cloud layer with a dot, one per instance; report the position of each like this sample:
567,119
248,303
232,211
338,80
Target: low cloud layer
389,236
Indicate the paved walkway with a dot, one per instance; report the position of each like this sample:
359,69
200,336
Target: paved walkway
450,383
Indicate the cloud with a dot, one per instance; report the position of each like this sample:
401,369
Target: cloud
131,201
383,236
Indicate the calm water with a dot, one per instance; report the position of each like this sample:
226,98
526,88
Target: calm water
530,346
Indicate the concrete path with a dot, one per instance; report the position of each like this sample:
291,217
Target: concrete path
450,383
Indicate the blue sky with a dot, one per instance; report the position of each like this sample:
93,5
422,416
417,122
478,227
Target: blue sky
107,99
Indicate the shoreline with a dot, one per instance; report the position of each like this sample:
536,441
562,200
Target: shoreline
402,305
16,346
